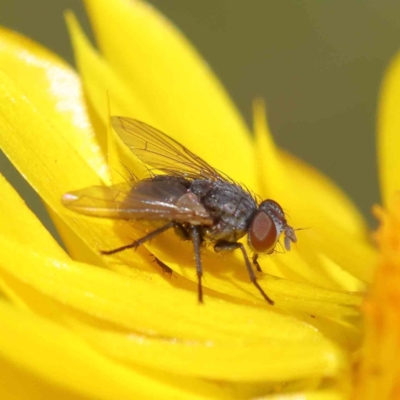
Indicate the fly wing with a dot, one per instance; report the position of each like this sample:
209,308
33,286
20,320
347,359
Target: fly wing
162,152
143,200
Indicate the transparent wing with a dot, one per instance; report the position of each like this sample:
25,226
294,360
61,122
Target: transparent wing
152,199
161,152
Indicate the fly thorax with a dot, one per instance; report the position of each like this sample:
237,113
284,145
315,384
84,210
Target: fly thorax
230,206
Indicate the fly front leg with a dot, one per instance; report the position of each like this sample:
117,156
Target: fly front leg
255,262
229,246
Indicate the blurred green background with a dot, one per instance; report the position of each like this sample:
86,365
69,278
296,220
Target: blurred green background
318,64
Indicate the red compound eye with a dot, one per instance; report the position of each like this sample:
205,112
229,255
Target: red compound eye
262,233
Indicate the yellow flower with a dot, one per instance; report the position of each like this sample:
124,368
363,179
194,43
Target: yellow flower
78,324
377,368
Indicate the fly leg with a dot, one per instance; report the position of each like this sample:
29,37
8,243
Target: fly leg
138,242
255,262
229,246
195,234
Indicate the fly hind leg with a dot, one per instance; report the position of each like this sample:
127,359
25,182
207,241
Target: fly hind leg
138,242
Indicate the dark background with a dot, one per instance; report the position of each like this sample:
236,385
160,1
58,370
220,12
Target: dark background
318,64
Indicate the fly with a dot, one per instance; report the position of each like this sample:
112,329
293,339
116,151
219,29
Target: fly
200,203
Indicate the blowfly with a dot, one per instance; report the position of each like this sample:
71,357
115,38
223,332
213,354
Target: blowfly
188,195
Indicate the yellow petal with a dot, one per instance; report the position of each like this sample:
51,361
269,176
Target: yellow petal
271,172
17,383
388,133
101,82
108,94
227,274
20,224
127,301
141,306
50,353
314,203
161,68
308,395
277,359
54,90
49,162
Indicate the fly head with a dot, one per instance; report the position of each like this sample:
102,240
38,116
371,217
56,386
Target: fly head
266,227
